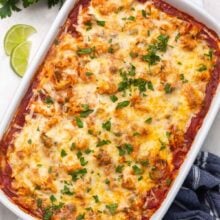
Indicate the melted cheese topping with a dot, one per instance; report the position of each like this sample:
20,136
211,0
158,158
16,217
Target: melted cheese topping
108,103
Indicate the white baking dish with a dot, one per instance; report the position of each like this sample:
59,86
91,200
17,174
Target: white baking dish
183,5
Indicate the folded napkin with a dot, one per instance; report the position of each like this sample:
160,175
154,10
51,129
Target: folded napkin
199,197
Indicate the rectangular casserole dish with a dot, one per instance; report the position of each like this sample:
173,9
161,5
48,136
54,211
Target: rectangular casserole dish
185,6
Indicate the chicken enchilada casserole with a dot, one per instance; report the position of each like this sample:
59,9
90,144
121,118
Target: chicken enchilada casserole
111,113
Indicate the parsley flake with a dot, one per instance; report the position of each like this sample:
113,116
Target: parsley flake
112,208
202,68
48,100
78,174
137,170
123,104
66,191
84,51
63,153
168,88
114,98
79,122
144,13
96,198
149,120
119,168
100,23
107,125
80,217
102,143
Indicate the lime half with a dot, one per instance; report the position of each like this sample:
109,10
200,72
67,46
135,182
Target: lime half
20,57
16,35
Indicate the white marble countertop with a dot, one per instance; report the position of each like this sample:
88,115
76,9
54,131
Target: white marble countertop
41,19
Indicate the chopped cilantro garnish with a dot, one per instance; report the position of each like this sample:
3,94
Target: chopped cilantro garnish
177,37
89,74
114,98
182,78
136,134
83,51
53,198
168,88
122,151
82,160
152,58
48,100
80,217
144,13
137,170
88,151
86,113
132,70
96,198
123,85
102,143
131,18
149,120
123,104
202,68
129,148
150,85
88,209
100,23
79,154
125,149
66,191
48,213
78,174
107,181
210,54
140,178
63,153
168,134
162,145
161,45
119,168
107,125
111,49
90,132
140,83
79,122
112,208
144,163
73,146
162,42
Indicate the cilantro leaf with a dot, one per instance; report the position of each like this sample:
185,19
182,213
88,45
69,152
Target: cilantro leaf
7,7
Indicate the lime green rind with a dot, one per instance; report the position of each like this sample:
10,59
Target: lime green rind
16,35
20,57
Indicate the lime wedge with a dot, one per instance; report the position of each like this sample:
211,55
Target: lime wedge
19,58
16,35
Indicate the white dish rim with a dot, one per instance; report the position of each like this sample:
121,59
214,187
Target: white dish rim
183,5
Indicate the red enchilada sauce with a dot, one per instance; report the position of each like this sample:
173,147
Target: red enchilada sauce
156,195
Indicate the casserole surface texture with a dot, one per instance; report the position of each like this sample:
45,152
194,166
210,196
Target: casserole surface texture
111,113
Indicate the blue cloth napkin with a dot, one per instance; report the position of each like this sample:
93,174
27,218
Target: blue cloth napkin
199,197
